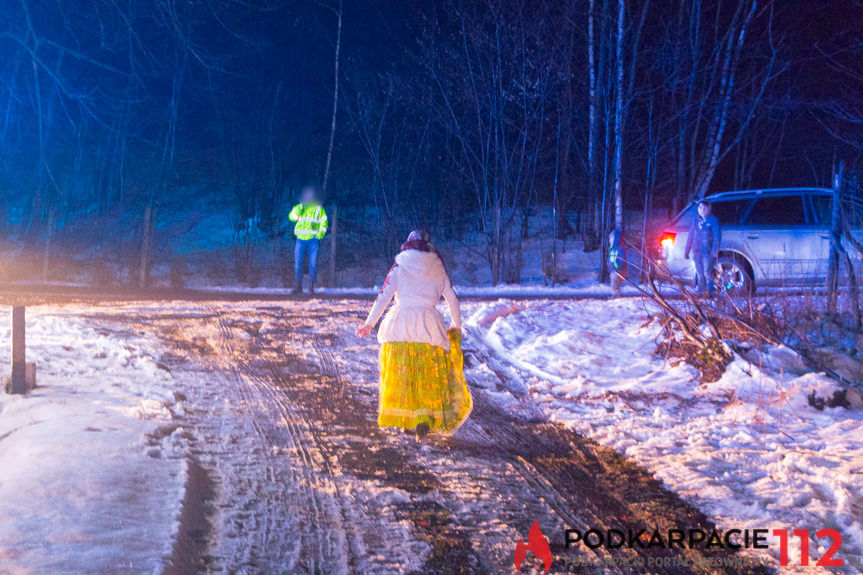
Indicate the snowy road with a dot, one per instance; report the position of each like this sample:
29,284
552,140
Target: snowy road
294,476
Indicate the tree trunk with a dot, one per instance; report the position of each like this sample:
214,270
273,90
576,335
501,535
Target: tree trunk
835,241
853,291
46,259
555,214
144,270
591,130
716,131
592,125
496,243
334,236
618,137
335,101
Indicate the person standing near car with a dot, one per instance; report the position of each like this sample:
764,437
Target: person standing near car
310,228
704,237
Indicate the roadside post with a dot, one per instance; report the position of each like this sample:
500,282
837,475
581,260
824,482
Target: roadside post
19,358
23,374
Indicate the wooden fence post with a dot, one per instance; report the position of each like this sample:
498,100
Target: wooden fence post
334,237
835,241
19,383
144,271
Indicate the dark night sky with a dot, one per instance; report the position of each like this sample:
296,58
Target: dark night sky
255,83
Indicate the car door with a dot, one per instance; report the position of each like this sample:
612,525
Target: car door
730,214
821,210
770,231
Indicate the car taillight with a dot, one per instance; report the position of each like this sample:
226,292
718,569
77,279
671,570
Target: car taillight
667,240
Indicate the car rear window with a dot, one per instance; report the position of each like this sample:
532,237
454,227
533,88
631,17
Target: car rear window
777,211
729,212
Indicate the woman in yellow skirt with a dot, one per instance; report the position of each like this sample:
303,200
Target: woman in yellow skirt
422,380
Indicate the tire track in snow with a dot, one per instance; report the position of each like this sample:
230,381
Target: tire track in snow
304,466
585,485
322,548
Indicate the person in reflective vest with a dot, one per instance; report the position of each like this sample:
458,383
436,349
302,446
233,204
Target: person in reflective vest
616,259
310,228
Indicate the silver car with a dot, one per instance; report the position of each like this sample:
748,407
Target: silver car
769,237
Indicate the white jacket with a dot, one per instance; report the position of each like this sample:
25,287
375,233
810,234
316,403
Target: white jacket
417,281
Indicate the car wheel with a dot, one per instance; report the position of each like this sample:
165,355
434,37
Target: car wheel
732,275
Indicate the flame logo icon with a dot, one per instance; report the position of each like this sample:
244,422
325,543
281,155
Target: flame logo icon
535,542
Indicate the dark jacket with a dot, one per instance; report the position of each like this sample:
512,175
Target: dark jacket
704,236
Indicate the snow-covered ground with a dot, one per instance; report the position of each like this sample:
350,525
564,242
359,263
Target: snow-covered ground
93,464
748,450
92,469
587,288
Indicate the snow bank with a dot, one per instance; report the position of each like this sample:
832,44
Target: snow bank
747,450
587,288
93,469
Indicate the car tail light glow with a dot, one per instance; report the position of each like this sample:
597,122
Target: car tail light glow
667,240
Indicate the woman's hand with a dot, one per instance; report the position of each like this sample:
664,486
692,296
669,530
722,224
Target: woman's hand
364,330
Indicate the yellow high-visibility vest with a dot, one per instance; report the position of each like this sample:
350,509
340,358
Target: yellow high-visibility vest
311,221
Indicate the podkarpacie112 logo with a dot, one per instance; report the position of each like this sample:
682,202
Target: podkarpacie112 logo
537,544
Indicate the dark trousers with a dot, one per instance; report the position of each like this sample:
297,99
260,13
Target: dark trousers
301,248
704,272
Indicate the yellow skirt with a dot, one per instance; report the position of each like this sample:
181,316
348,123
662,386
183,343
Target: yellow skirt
422,383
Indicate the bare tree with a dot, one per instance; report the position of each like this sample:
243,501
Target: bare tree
336,59
492,86
618,133
592,115
326,179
